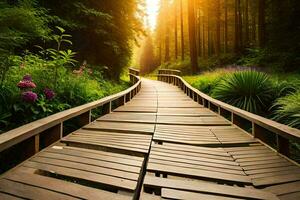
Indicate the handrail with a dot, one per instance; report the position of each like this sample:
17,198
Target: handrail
169,71
261,126
55,121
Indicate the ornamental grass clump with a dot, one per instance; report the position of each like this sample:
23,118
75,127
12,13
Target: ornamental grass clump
249,90
287,110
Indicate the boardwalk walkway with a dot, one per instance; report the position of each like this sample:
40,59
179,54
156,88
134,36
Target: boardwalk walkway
161,144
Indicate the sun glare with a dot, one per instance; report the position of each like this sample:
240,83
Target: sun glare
152,10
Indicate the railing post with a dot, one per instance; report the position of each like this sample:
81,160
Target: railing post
106,108
199,99
36,143
85,118
283,145
127,97
50,136
259,132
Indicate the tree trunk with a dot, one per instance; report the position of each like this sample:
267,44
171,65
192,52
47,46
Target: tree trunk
237,32
261,23
175,27
218,27
192,35
246,22
203,37
199,34
225,26
181,29
208,32
167,32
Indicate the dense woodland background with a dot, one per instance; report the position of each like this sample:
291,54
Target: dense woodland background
59,54
211,33
242,52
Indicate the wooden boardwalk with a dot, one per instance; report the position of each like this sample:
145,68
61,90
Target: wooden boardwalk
160,145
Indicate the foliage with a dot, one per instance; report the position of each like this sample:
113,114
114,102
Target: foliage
51,69
21,23
207,81
248,90
103,31
287,110
270,59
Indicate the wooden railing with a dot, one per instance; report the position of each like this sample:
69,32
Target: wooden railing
260,127
169,71
31,138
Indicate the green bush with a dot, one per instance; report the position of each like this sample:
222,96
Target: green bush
207,81
248,90
70,89
287,110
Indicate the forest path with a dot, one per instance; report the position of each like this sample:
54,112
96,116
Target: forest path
161,144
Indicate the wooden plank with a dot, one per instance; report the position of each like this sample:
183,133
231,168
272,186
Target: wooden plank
206,187
284,188
291,196
197,173
99,155
29,192
60,186
128,117
193,166
114,182
268,166
187,148
4,196
122,127
85,167
193,158
179,194
203,154
276,179
274,169
193,121
94,162
108,145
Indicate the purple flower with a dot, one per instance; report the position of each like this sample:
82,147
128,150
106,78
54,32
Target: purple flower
27,78
26,84
49,93
29,97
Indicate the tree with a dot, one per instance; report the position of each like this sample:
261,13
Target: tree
192,35
225,26
175,29
238,27
99,28
218,27
165,5
261,23
181,30
147,58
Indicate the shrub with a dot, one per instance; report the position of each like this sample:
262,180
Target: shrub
287,110
207,81
248,90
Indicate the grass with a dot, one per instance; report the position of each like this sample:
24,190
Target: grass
285,88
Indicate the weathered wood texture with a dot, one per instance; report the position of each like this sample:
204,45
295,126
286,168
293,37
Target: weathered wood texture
260,126
153,148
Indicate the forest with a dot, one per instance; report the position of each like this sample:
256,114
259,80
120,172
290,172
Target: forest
242,52
59,54
149,99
